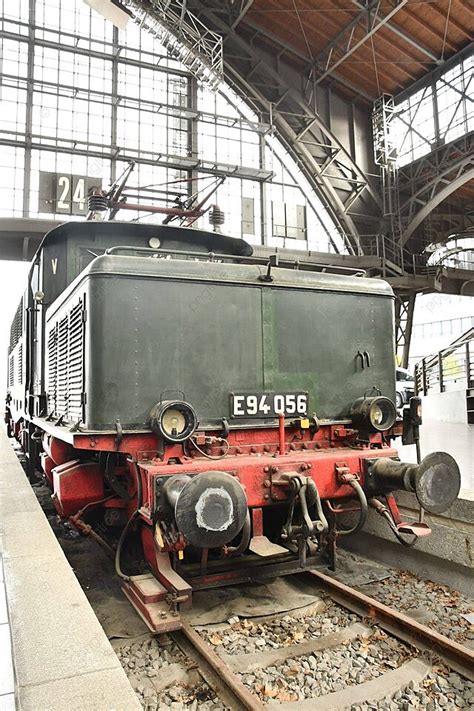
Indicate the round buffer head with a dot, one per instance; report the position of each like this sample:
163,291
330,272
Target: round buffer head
438,481
210,509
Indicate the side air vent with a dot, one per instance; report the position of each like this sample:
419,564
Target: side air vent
75,371
16,327
20,364
66,365
52,372
61,385
11,371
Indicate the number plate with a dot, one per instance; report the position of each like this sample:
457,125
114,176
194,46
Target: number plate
268,404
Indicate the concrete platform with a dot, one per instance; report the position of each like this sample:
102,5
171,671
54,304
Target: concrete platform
455,438
54,652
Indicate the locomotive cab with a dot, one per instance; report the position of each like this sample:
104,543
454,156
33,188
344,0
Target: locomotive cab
232,412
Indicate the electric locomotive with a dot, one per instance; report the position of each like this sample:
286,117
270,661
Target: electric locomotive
230,412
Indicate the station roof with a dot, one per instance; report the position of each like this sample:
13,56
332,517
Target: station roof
408,37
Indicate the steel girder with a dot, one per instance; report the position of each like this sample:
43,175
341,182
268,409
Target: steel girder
363,26
243,9
443,223
404,311
284,48
327,165
403,34
424,184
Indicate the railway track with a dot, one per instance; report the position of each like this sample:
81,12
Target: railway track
228,674
295,661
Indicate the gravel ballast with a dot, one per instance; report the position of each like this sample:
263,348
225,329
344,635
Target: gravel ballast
441,690
434,605
148,663
247,637
328,671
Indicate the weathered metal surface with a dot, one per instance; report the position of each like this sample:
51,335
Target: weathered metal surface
76,484
259,337
253,471
149,598
261,546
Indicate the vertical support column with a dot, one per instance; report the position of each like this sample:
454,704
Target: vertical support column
384,261
263,194
29,108
469,380
440,371
114,108
398,313
404,310
410,309
434,99
193,148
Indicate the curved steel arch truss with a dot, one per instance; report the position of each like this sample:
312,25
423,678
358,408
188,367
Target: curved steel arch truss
432,179
352,201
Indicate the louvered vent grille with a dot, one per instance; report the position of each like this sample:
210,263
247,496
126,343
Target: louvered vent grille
20,364
61,385
75,363
11,371
52,367
66,365
16,327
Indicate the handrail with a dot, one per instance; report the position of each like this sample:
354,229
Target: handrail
388,249
448,369
211,256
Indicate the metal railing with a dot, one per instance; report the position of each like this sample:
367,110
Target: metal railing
456,258
450,369
393,254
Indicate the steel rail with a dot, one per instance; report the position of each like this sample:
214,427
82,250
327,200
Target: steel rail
455,655
215,671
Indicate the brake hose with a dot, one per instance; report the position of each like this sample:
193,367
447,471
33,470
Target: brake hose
387,514
244,540
407,544
363,509
126,528
118,550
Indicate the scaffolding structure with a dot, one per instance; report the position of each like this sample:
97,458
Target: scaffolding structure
185,37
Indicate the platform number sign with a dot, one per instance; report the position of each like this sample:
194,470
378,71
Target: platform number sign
65,193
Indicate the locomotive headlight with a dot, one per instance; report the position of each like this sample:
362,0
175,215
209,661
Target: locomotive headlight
376,415
379,413
175,420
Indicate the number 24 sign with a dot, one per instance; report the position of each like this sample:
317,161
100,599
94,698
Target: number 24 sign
65,194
